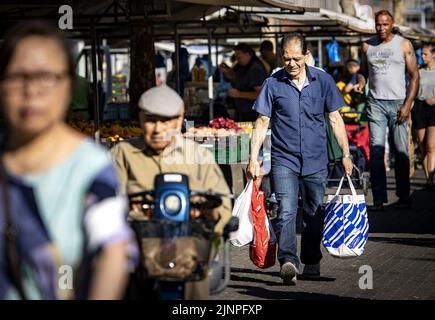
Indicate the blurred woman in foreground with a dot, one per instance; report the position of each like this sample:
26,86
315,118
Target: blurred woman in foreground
59,192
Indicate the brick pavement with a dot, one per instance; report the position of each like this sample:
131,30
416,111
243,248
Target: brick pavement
400,251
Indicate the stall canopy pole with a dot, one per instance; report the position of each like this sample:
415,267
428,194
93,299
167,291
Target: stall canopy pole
320,50
217,52
277,50
95,82
177,60
210,77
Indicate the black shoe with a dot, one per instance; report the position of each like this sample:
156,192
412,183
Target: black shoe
311,271
377,207
403,203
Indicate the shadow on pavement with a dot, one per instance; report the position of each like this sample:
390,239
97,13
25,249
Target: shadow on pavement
255,280
414,226
418,219
264,293
273,274
245,271
319,279
426,243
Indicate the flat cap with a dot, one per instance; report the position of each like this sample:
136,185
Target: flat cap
161,101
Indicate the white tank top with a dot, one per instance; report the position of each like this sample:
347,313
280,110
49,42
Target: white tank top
387,68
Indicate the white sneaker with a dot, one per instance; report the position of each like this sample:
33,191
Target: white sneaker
288,273
311,270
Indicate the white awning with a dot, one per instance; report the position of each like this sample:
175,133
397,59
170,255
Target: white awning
296,5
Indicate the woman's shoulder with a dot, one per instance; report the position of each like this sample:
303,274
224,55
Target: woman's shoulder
90,152
87,156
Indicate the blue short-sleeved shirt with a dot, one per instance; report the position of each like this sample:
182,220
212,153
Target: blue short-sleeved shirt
298,118
247,78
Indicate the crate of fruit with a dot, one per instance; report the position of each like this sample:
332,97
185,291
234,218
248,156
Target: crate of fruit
228,142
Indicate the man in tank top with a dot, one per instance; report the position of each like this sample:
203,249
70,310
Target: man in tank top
386,59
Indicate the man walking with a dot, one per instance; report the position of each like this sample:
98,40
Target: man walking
386,58
294,101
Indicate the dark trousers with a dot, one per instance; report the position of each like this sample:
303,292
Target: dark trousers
287,185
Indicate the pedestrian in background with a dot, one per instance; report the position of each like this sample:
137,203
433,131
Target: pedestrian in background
386,58
268,56
424,111
248,76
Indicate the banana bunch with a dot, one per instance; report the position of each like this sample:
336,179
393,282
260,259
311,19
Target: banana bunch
115,139
132,131
347,114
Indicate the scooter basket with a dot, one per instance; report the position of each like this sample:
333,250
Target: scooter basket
172,250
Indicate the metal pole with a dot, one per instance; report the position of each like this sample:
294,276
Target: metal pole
217,51
320,50
100,57
95,82
277,50
422,14
177,60
210,77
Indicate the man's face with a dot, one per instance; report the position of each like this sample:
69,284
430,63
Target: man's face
427,55
384,26
293,58
159,131
242,58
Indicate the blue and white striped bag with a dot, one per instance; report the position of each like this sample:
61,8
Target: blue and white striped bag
346,226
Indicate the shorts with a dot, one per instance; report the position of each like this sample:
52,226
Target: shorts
424,115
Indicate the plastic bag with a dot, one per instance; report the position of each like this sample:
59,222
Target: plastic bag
262,250
241,210
346,226
333,49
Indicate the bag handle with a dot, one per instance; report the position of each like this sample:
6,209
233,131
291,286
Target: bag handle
352,188
248,185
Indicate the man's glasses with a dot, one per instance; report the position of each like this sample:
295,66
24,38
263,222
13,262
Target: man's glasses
38,80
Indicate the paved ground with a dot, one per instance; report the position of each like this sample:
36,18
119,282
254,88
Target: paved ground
400,251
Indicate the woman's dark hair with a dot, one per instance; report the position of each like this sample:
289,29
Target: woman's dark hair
294,36
429,45
34,28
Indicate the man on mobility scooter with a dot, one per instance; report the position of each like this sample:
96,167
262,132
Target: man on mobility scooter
145,164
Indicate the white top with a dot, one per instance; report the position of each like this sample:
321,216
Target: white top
386,64
427,84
